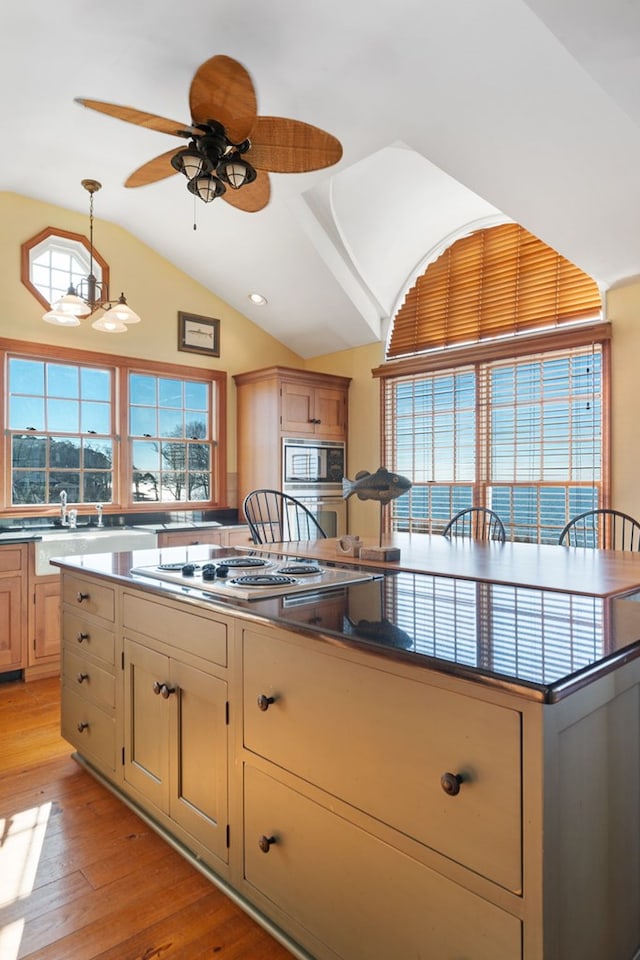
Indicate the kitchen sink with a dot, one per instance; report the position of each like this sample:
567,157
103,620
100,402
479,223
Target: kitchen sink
74,541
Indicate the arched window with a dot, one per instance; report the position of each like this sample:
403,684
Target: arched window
497,390
54,260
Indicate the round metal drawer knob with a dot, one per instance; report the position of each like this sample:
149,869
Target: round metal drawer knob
265,843
82,637
83,725
264,702
82,596
82,677
450,783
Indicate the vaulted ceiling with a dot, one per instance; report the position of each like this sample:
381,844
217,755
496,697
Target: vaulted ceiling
452,115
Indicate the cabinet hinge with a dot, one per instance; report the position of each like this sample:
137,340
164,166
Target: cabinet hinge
228,836
123,756
226,713
122,660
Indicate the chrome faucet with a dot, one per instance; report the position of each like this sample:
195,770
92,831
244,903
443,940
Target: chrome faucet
99,509
63,508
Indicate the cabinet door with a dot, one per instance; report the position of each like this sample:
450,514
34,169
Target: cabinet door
12,623
297,412
357,894
319,411
198,799
147,723
46,623
330,406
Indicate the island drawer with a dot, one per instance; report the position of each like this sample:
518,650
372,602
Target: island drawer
202,636
88,636
91,731
382,743
88,596
90,681
356,894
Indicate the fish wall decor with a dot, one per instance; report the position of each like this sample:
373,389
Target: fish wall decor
382,485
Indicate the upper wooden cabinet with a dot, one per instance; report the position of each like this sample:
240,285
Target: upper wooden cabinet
317,411
278,402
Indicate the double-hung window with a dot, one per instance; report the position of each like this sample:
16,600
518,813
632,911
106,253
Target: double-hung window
171,445
61,431
496,393
110,430
522,436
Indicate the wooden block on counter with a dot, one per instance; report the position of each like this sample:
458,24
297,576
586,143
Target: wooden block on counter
383,554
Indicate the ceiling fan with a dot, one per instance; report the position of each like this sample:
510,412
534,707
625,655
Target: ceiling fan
229,145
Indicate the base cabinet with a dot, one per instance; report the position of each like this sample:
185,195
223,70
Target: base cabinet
364,807
355,894
89,677
175,752
13,588
222,536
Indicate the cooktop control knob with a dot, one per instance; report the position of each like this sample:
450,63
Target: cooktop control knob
209,571
188,570
222,571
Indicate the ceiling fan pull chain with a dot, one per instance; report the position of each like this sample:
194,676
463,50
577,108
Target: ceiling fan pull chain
195,212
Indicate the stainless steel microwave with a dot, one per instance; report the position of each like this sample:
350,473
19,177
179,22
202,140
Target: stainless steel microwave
310,466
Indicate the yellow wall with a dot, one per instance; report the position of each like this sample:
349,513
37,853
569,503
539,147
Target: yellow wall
364,423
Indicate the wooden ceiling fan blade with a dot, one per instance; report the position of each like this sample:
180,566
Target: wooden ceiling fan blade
252,197
154,170
291,146
222,90
139,117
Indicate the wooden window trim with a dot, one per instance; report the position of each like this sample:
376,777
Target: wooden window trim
558,339
122,367
27,247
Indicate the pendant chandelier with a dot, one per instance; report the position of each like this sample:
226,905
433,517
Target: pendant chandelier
90,296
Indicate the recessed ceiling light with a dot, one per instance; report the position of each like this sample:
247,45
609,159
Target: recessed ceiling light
258,299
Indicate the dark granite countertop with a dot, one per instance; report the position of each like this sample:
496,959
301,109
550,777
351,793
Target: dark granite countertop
538,644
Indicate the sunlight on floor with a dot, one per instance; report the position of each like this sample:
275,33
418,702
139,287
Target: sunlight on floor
21,840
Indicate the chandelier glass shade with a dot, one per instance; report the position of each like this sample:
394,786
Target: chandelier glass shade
90,296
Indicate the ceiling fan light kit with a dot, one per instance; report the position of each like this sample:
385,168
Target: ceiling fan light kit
91,297
224,128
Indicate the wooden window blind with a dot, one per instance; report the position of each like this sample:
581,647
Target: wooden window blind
494,283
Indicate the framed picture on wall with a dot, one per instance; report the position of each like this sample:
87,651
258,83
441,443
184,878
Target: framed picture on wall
198,334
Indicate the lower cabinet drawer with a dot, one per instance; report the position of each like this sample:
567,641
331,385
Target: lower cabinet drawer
356,894
93,598
90,681
382,743
91,730
87,635
204,637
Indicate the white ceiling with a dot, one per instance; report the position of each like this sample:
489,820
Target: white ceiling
451,115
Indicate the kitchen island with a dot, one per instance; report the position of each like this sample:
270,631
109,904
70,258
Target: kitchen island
410,765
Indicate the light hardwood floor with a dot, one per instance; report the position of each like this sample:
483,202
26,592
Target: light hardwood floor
81,876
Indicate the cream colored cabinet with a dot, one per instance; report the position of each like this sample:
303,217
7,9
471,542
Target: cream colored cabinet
355,895
175,722
402,740
89,676
13,607
365,806
278,402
